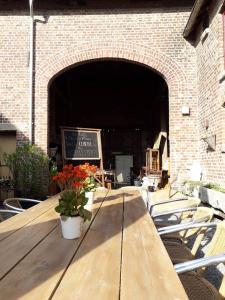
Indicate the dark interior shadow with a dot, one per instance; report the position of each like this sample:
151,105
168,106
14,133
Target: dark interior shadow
65,7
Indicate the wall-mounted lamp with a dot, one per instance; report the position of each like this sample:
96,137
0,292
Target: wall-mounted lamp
185,110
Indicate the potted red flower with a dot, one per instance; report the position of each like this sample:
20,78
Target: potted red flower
90,182
72,200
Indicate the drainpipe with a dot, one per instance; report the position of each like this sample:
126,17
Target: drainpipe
223,16
31,72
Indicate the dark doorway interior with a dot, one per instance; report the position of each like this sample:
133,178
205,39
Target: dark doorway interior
127,101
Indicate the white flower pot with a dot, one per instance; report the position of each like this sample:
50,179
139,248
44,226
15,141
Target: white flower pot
90,196
71,227
214,198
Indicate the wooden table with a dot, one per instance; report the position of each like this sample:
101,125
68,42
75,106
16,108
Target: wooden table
119,256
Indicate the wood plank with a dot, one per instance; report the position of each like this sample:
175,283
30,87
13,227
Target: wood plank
37,275
147,271
95,270
14,223
17,245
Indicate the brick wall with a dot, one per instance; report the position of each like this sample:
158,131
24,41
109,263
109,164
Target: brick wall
210,60
151,36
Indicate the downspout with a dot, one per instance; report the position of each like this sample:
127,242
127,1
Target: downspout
31,73
223,16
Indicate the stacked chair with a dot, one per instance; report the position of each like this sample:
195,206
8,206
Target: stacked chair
190,272
192,221
176,237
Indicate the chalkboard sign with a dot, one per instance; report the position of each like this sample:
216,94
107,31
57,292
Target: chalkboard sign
81,144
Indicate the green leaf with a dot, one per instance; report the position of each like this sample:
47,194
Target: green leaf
84,201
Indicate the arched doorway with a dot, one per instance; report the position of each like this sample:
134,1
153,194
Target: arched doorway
183,138
128,101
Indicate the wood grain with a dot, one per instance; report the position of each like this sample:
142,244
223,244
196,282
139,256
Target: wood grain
119,256
95,270
16,246
37,275
147,271
14,223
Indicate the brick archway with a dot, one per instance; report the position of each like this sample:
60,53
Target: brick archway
151,58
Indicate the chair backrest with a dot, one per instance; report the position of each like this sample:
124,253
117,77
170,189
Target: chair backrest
217,246
222,287
7,213
15,203
170,205
202,214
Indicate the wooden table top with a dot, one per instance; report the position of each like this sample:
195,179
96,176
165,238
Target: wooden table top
119,256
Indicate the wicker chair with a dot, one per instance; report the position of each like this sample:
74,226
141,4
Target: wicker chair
195,285
7,213
180,253
15,203
190,216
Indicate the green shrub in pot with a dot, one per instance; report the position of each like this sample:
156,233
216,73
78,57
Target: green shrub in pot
29,166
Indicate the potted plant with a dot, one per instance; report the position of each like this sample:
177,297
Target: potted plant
213,194
90,182
29,166
72,200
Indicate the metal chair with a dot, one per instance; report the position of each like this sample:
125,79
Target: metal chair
15,203
180,253
7,213
190,216
183,207
172,204
195,285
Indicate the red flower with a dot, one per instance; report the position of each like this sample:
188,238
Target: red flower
76,184
74,177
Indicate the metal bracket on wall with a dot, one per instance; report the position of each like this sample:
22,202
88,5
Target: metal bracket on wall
211,142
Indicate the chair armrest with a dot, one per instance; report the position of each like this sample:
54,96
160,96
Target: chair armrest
9,211
169,212
181,227
200,220
166,201
199,263
28,200
8,205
